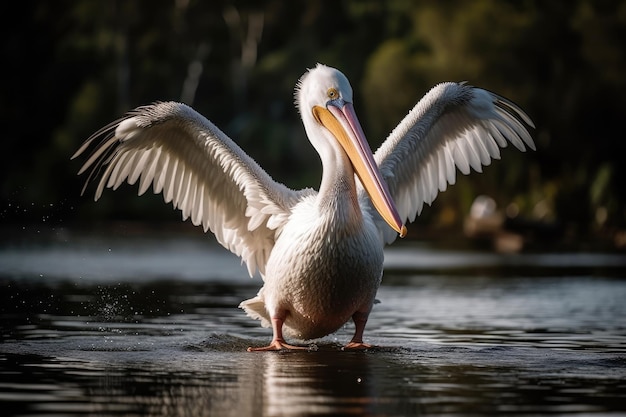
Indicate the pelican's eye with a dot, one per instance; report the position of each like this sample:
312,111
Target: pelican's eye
332,93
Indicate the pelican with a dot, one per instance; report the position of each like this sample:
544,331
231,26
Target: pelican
319,253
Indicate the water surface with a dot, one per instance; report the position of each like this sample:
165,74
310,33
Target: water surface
94,325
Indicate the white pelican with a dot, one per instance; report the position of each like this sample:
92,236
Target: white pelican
320,253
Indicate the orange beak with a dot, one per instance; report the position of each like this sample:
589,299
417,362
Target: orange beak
342,122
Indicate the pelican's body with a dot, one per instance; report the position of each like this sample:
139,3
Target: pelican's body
320,253
342,263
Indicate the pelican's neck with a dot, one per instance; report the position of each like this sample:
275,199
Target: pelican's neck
337,199
337,196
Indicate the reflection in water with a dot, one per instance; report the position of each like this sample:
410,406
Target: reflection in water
387,382
295,384
302,383
490,341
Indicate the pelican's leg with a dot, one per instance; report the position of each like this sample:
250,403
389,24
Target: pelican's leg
278,341
360,319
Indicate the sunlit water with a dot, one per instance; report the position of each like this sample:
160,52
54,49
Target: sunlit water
92,325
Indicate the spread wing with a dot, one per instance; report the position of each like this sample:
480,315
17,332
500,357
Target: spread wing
453,126
200,170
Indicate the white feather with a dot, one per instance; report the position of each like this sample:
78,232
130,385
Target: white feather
455,125
200,170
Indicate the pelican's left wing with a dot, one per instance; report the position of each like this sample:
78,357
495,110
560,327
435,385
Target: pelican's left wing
453,126
200,170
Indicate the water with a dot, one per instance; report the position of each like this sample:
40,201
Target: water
93,325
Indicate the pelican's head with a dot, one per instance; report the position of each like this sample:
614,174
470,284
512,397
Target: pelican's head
324,98
321,84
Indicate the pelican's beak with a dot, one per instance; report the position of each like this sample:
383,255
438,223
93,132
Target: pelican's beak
340,119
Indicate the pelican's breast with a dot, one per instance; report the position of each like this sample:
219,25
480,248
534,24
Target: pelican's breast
323,268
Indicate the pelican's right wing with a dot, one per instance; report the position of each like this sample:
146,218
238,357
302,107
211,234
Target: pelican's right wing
453,126
200,170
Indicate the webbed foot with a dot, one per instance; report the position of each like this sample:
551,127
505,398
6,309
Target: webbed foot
357,346
277,344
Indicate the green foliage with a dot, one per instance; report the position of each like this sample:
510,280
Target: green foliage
73,66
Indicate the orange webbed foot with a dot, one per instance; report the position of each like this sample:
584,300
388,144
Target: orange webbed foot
357,346
277,344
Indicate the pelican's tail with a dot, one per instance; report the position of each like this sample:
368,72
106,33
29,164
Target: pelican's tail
295,326
255,308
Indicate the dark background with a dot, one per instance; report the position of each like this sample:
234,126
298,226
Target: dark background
70,67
